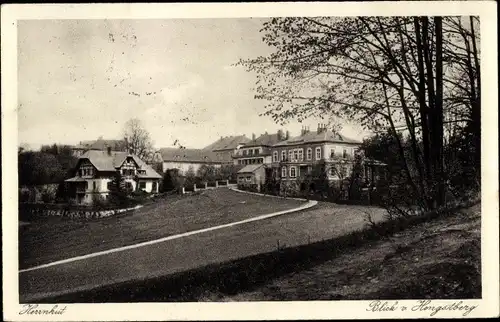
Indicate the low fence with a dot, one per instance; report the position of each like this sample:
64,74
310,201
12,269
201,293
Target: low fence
207,185
31,211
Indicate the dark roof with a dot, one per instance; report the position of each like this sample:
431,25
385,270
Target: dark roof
191,155
113,161
102,144
315,137
250,168
264,140
227,143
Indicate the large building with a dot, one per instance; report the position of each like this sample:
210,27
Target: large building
258,150
96,170
294,159
100,145
226,146
184,159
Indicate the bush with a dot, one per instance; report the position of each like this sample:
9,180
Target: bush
171,180
47,196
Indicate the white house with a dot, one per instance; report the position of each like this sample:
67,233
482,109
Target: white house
95,171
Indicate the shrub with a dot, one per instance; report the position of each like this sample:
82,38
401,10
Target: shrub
47,196
171,180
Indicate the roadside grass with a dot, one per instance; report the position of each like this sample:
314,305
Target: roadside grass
436,259
52,239
423,257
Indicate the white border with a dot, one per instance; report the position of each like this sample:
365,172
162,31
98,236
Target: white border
488,306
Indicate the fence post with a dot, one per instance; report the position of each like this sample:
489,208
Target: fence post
227,182
206,185
183,190
216,183
194,187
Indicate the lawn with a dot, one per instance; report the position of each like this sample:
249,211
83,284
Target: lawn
438,259
53,239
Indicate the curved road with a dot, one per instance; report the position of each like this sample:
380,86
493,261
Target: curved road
325,221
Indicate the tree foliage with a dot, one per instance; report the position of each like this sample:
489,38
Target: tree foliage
418,75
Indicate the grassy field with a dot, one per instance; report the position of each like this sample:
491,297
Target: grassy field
437,259
54,239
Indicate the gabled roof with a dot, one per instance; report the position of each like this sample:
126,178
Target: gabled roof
227,143
315,137
191,155
104,161
250,168
264,140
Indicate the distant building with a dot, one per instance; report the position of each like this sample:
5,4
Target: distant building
226,147
252,176
99,145
293,159
96,170
258,150
183,159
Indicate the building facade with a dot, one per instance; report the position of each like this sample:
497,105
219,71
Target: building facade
185,159
314,154
96,170
258,150
226,147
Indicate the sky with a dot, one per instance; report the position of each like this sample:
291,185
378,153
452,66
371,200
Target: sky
82,79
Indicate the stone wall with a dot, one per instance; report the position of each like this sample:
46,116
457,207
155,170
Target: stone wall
30,211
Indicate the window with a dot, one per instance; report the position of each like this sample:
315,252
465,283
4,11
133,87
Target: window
250,152
293,172
239,161
301,154
142,185
309,169
283,172
109,185
275,156
256,151
318,153
332,153
295,155
309,153
87,184
249,178
155,187
283,155
244,152
95,185
333,171
290,155
345,153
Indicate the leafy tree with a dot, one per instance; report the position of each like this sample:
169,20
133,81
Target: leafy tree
37,168
228,172
207,173
119,193
190,177
170,180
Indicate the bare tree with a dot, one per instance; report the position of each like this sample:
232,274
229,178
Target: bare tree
138,140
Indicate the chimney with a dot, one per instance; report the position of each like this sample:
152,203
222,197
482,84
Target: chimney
321,128
109,150
280,135
287,135
253,136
